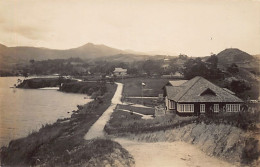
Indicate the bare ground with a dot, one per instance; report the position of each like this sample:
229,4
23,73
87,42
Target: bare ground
172,154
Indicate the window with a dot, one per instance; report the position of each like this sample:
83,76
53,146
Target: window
171,104
232,107
185,107
216,107
202,108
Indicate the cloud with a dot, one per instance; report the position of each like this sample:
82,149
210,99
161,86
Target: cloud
27,31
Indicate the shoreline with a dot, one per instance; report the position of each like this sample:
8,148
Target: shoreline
64,134
24,111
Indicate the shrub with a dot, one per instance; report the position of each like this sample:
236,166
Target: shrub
243,120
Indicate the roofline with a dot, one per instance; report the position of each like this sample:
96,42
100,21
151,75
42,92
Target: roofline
199,77
190,87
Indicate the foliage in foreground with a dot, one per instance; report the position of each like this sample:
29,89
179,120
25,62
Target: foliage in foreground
242,120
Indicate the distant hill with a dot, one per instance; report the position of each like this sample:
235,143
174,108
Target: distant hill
131,57
10,56
241,58
125,58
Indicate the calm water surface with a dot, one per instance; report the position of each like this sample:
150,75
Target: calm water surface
25,110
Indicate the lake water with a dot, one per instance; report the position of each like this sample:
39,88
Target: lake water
25,110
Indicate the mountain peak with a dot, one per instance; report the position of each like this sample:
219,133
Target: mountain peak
89,44
233,55
234,52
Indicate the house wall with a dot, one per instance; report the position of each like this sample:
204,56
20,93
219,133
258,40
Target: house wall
209,108
120,73
170,104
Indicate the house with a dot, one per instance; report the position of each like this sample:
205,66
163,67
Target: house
198,96
166,64
120,72
175,75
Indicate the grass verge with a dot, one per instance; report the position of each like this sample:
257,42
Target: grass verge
124,122
141,110
150,102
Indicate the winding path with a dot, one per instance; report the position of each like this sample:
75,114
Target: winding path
96,131
163,154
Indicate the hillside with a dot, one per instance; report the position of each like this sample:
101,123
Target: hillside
128,58
241,58
10,56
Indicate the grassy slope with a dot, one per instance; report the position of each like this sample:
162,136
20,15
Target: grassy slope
244,74
254,82
60,142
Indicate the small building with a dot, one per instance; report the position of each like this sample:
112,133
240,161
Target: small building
120,72
199,96
176,75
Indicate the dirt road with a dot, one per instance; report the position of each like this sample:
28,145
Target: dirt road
169,154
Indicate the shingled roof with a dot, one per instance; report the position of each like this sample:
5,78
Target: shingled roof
177,82
199,89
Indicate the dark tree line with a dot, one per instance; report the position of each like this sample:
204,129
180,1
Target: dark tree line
207,69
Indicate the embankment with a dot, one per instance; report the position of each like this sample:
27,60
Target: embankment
224,141
63,144
35,83
89,88
65,85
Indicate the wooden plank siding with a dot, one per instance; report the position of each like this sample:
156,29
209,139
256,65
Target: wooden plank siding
209,107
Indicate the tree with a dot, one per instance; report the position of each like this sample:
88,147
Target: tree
233,68
213,61
239,86
133,71
32,61
183,57
151,67
194,68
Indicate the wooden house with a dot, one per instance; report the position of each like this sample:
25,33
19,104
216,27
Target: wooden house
199,96
120,72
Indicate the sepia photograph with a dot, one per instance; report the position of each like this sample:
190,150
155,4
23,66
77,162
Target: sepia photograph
129,83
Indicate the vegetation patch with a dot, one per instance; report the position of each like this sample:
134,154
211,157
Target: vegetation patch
88,88
243,120
124,122
150,102
36,83
97,152
141,110
153,86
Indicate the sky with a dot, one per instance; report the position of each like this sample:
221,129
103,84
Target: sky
192,27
